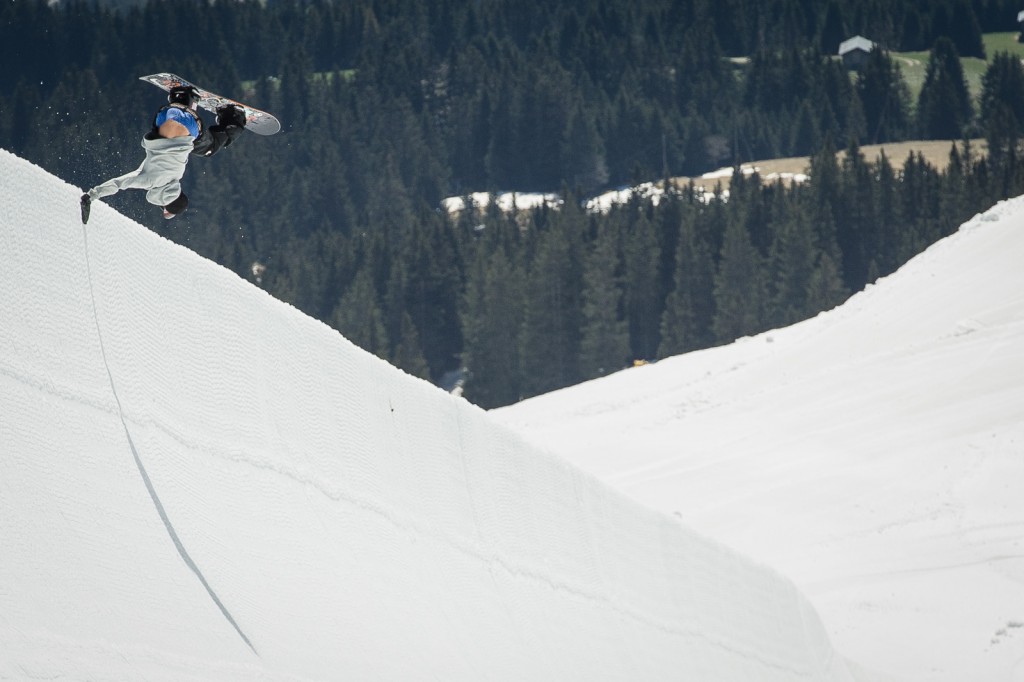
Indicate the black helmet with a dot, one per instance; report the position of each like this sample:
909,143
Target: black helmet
186,95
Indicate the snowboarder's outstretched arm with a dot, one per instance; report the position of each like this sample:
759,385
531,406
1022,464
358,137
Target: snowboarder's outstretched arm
230,124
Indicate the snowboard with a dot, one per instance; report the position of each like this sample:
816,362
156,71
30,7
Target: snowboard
259,122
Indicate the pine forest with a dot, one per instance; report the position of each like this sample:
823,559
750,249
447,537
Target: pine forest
391,106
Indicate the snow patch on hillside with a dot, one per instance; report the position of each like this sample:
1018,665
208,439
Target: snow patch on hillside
874,453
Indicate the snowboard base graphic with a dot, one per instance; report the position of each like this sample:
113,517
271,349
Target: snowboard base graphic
258,121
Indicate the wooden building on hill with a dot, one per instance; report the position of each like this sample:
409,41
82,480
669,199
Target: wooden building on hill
854,52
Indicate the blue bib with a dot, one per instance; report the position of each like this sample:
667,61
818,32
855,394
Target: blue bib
183,117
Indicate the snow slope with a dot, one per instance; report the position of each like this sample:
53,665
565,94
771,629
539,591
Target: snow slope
199,482
874,454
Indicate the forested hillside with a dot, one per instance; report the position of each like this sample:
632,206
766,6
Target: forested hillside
389,106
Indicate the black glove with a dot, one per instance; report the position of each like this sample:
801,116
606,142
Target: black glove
231,115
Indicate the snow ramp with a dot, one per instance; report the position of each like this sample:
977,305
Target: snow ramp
199,482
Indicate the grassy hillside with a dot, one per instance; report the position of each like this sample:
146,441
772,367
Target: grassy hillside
936,152
915,64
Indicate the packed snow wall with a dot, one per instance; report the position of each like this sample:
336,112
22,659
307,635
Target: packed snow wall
199,482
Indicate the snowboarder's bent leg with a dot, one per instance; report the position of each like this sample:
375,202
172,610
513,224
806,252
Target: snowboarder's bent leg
115,185
164,194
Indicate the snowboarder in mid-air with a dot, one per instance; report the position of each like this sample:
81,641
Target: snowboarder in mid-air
178,131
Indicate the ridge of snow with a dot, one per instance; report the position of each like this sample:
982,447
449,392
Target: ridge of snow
199,482
874,454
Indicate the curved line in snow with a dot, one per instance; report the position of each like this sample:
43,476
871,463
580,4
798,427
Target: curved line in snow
142,469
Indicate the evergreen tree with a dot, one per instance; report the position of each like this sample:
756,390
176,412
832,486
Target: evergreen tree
856,218
944,106
550,339
793,257
296,90
856,127
833,30
806,134
408,355
1003,137
965,30
826,289
823,195
885,98
643,296
919,201
358,316
1002,106
605,335
912,31
432,291
492,324
583,154
739,287
689,309
504,155
889,218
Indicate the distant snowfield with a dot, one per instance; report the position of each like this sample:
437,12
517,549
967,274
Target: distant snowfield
506,201
874,454
706,187
198,482
789,171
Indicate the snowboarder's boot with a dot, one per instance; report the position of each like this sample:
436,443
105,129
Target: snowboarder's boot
86,206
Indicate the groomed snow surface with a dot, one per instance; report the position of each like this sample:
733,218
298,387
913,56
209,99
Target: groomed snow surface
198,482
874,454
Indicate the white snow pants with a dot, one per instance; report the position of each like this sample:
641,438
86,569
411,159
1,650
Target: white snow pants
160,174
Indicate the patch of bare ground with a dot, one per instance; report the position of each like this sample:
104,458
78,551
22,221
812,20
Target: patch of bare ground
936,152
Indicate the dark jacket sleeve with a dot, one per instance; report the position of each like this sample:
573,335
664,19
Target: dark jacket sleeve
215,138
